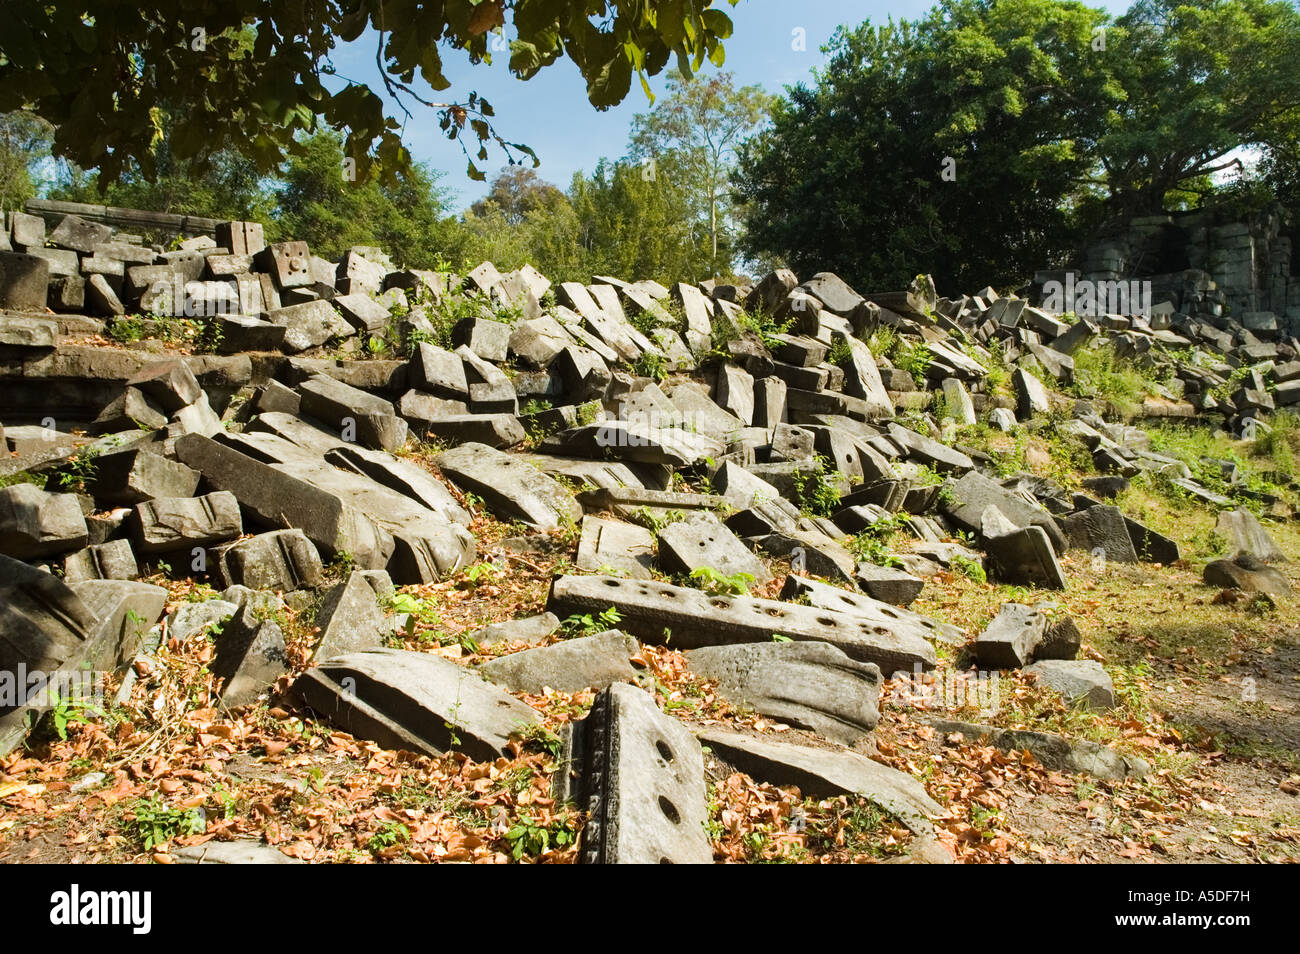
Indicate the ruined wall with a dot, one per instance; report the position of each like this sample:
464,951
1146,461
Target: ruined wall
1209,263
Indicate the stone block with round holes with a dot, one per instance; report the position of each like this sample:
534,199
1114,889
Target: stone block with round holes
289,263
693,618
700,541
639,775
814,593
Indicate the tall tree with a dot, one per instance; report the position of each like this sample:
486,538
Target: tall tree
516,191
319,203
702,121
255,74
954,146
24,144
636,221
987,139
1205,80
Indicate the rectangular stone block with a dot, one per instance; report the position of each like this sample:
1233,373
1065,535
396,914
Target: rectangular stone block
696,619
639,775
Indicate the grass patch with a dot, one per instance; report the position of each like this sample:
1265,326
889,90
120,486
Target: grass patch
1101,374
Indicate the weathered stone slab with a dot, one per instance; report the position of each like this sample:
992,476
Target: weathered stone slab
529,629
421,410
38,333
583,372
696,619
862,380
175,523
1024,556
280,560
135,475
241,851
426,545
974,492
104,561
809,551
490,390
1078,681
742,489
190,619
1151,546
957,402
355,413
125,611
27,229
241,238
1061,639
42,620
699,316
513,489
309,324
1031,397
735,392
930,452
250,655
888,584
1101,530
833,292
609,546
289,263
1010,640
589,662
400,475
169,384
807,685
636,441
78,234
1245,535
241,333
65,632
36,524
278,498
1053,752
494,430
129,410
23,282
791,443
1243,572
414,701
349,617
701,415
611,475
825,773
699,541
769,402
826,596
538,341
488,339
362,312
438,371
639,775
802,405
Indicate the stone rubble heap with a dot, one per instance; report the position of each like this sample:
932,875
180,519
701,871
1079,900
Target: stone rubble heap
257,466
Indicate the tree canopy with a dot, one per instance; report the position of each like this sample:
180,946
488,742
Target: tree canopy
253,75
986,139
24,143
701,124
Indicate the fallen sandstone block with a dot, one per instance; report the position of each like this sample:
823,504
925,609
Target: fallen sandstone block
414,701
807,685
639,775
695,619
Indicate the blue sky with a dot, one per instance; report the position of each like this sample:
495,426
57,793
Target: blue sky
550,112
